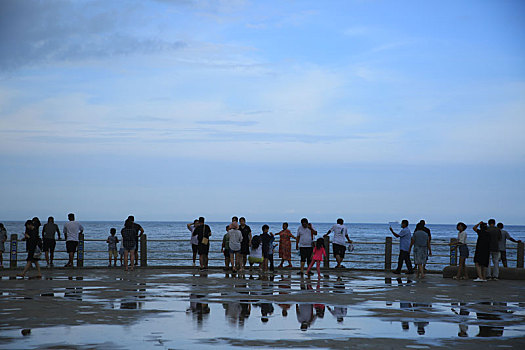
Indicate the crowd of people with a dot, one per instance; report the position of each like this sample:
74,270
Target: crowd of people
241,247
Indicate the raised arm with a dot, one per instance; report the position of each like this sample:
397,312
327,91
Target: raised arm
395,234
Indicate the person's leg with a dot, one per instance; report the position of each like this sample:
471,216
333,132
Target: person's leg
51,254
319,269
503,257
110,253
126,259
47,257
495,262
408,262
115,258
289,262
132,259
28,265
71,256
272,268
479,271
309,267
201,261
399,262
421,268
194,250
241,257
37,265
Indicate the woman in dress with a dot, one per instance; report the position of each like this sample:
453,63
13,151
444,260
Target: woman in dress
285,245
32,242
482,254
421,243
129,242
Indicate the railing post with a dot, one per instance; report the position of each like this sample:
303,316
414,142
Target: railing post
519,255
143,250
388,254
80,250
327,251
453,252
13,251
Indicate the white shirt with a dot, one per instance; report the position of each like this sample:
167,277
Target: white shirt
235,237
256,253
194,239
304,235
340,233
71,230
462,237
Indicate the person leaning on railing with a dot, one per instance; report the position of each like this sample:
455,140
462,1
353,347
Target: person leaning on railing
203,233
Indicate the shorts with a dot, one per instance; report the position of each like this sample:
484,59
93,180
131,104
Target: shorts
194,248
503,256
227,253
71,246
245,248
203,249
306,253
49,245
254,260
113,253
339,250
463,251
268,255
234,251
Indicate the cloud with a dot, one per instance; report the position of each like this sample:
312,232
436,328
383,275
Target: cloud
33,32
229,122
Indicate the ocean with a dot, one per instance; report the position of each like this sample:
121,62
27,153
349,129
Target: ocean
169,242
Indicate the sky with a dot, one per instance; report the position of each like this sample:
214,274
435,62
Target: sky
373,111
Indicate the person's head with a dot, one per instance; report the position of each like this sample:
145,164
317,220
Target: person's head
201,220
131,218
29,224
36,221
340,319
304,325
128,223
404,223
492,222
482,226
319,243
256,241
235,219
304,222
113,231
265,228
71,217
50,220
234,226
500,225
461,227
242,221
285,225
2,226
340,221
420,226
285,313
195,222
422,222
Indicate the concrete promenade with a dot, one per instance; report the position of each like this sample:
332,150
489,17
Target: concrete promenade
168,308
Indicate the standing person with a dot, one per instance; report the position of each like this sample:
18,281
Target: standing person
503,243
461,244
203,233
225,249
305,236
3,238
267,248
48,237
421,243
112,242
246,239
194,242
139,231
482,254
71,231
33,241
318,256
235,239
495,237
36,225
129,240
338,245
404,247
285,245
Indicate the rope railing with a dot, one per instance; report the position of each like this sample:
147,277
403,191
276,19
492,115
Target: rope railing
385,256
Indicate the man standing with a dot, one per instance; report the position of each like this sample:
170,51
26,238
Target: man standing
495,237
304,240
138,230
71,230
203,233
246,240
503,243
48,237
339,247
404,248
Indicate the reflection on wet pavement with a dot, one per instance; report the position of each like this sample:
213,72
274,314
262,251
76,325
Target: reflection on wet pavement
156,309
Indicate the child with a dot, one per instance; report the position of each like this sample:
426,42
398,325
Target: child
225,249
3,238
234,245
319,254
461,244
267,246
112,242
255,252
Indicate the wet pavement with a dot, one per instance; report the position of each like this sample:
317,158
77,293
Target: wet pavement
178,309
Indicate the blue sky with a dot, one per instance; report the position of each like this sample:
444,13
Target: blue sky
370,110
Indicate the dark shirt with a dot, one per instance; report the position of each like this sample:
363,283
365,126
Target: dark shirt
136,228
202,231
266,240
495,237
246,230
49,231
